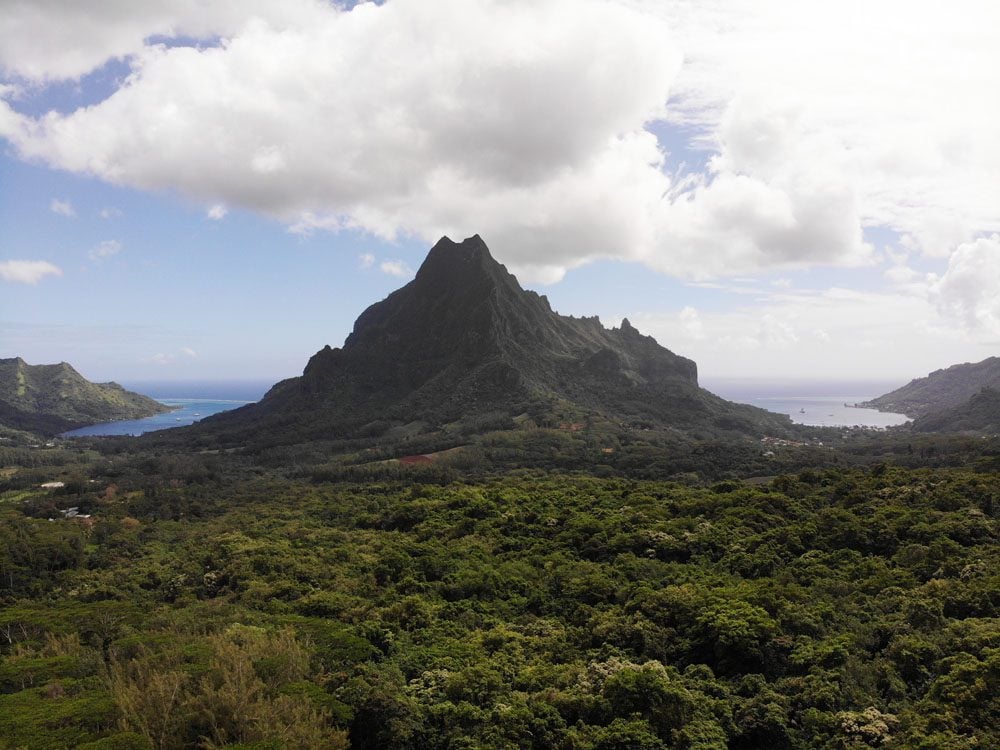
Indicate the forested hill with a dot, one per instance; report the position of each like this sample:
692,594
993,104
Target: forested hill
981,413
463,348
942,389
49,399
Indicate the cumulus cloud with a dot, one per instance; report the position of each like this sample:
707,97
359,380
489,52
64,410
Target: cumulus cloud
105,250
217,212
395,268
880,101
110,212
520,120
47,40
27,271
366,260
532,123
968,293
62,208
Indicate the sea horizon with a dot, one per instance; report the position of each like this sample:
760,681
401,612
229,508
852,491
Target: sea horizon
818,403
221,389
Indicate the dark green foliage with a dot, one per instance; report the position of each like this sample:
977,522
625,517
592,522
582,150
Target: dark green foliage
981,413
826,608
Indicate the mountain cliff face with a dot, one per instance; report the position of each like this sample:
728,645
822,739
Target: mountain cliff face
464,342
942,389
49,399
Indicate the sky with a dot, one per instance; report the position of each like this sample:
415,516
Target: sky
778,189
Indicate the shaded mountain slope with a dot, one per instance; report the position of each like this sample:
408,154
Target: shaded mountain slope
464,345
981,413
49,399
942,389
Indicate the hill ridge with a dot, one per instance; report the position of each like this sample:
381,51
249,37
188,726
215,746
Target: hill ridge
946,388
49,399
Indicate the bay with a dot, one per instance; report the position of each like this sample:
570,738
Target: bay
184,411
190,402
815,403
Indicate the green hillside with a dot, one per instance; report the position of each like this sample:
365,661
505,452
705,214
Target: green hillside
981,413
49,399
942,389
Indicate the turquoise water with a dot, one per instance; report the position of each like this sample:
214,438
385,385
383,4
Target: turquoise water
185,411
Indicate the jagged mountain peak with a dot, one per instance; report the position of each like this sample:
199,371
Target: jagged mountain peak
466,266
448,256
461,298
463,340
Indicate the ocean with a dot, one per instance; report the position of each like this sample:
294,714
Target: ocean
811,402
818,403
191,401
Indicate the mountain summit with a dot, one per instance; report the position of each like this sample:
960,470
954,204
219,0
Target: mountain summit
463,344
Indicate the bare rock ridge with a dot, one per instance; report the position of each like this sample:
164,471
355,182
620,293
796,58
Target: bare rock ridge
49,399
462,342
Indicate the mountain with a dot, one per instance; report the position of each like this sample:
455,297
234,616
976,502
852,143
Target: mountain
50,399
981,413
463,348
942,389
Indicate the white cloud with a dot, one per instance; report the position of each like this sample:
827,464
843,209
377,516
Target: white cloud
395,268
55,39
105,250
776,333
830,334
366,260
691,323
168,358
217,212
110,213
62,208
27,271
969,291
893,92
523,121
530,122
